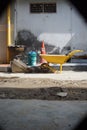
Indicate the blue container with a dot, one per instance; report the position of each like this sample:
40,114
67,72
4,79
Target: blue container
32,58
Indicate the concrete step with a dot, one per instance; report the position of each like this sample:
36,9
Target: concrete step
72,66
5,68
66,66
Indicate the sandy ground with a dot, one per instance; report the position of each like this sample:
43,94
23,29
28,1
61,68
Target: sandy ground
42,88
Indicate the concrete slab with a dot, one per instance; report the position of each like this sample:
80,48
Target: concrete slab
41,115
65,75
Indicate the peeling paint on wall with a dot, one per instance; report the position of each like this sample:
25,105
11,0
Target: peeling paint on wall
30,41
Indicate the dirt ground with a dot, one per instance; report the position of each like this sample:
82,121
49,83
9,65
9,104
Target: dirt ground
45,89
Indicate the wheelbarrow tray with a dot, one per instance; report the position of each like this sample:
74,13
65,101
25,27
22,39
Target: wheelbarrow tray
55,59
59,59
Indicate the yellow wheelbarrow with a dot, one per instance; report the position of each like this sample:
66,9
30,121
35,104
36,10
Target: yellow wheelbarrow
57,59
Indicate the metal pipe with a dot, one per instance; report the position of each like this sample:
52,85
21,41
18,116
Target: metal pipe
8,32
8,26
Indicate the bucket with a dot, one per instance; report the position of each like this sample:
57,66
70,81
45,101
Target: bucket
32,58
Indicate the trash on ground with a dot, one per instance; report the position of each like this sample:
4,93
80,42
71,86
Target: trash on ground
62,94
18,66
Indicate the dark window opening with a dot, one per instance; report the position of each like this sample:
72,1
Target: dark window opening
43,8
50,8
36,8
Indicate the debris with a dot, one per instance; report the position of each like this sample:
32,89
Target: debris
62,94
18,66
47,69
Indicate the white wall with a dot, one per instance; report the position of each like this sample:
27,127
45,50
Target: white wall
66,27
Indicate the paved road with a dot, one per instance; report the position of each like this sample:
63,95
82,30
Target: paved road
41,115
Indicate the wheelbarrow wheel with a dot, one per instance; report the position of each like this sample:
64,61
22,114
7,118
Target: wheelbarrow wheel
45,67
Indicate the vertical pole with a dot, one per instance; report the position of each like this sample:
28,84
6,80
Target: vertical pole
9,25
8,31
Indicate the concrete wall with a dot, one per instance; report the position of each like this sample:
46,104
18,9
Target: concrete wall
65,29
